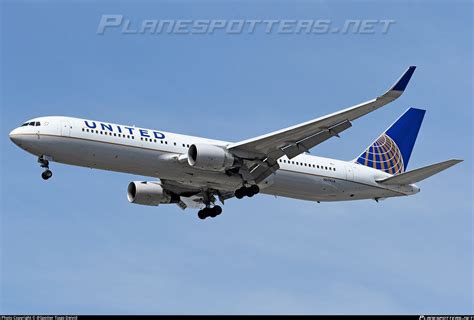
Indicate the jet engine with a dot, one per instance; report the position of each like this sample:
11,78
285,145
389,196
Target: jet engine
148,193
209,157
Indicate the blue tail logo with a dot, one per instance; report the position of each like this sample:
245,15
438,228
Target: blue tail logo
392,150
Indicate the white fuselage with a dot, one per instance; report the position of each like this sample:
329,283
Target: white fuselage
152,153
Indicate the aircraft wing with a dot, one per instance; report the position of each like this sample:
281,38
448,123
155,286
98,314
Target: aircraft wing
263,152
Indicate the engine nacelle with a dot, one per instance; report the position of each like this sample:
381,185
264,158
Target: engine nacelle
209,157
147,193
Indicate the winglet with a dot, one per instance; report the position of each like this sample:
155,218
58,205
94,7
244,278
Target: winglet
402,83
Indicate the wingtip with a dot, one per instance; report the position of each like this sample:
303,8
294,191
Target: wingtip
402,83
453,162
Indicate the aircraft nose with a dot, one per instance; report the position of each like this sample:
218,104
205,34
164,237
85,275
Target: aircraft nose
14,136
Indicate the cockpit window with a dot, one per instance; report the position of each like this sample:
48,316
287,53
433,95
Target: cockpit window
32,123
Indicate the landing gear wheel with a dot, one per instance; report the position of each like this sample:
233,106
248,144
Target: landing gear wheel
44,163
47,174
254,189
214,212
249,193
217,210
209,212
239,193
202,214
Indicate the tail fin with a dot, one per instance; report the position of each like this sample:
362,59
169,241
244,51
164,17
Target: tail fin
392,149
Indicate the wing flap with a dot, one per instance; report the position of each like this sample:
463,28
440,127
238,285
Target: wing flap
305,144
420,174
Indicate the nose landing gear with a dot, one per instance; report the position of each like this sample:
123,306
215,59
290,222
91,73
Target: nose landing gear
46,174
44,163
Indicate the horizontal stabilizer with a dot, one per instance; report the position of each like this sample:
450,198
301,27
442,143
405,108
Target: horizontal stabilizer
420,174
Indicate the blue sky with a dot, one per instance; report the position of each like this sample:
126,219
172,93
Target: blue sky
74,244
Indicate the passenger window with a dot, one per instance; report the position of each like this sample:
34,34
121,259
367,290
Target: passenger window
326,168
115,134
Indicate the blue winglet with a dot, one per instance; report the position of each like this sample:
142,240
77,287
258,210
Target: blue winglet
403,81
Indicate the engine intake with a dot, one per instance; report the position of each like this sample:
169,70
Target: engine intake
147,193
209,157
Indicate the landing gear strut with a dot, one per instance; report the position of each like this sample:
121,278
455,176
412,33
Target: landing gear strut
44,163
247,191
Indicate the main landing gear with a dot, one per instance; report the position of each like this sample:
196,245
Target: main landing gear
44,163
209,212
208,200
247,191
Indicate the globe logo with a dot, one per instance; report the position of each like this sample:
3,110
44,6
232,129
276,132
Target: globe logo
384,155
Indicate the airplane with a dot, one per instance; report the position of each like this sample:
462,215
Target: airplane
196,172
